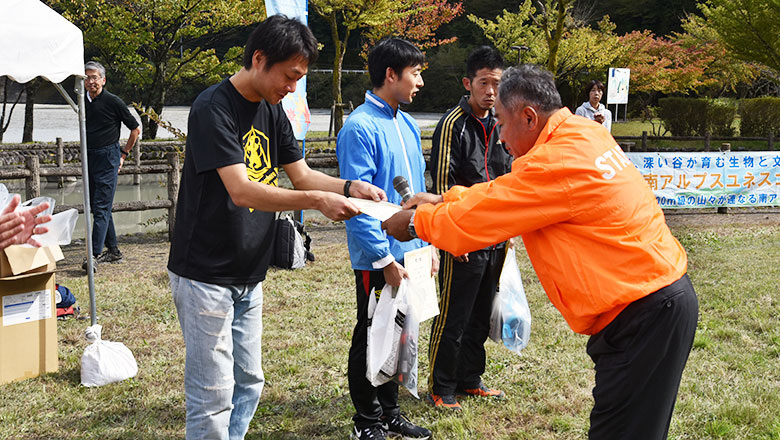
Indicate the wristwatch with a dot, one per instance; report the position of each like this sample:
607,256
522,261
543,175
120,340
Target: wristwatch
410,228
125,153
347,184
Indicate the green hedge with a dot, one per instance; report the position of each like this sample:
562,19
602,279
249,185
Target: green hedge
697,116
759,116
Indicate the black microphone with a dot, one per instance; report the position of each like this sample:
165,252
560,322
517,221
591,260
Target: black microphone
402,187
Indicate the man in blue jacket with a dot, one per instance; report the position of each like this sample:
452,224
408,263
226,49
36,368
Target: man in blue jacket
377,143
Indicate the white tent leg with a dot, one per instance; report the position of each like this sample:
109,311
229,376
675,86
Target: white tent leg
85,182
65,95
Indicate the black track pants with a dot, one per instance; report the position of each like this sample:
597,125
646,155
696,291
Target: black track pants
640,357
457,347
370,402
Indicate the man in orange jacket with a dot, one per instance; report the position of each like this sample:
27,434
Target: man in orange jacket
598,242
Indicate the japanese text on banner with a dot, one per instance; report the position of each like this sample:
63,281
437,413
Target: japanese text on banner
703,180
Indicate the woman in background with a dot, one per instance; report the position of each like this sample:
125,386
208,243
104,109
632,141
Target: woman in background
592,108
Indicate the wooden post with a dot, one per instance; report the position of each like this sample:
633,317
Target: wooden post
707,141
771,140
33,182
60,161
725,146
137,159
174,178
644,141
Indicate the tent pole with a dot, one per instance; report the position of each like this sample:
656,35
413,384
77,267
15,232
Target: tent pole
66,96
85,183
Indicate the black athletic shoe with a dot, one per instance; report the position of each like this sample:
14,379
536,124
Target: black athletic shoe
110,256
370,433
94,264
400,426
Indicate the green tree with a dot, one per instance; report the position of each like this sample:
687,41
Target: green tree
750,29
723,68
512,29
156,45
555,39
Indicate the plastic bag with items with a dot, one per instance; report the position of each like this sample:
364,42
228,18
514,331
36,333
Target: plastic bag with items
393,335
510,321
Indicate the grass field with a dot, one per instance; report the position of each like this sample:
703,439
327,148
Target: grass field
729,389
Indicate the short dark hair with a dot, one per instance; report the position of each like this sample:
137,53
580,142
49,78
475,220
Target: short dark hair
529,84
280,38
394,53
483,57
594,82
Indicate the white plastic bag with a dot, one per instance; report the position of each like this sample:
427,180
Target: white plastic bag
60,228
510,321
406,373
104,362
393,334
384,332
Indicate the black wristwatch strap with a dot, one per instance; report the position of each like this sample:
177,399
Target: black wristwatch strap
412,231
347,184
125,153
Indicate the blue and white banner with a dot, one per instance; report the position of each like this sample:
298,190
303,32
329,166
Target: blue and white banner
295,104
705,180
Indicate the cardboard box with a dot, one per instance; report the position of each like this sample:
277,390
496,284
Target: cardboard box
28,318
28,326
19,259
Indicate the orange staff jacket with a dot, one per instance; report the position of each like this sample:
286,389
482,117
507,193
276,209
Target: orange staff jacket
591,225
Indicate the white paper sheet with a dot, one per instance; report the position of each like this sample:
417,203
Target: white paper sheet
423,286
379,210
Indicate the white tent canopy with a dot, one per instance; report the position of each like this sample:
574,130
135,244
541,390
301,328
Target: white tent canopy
36,41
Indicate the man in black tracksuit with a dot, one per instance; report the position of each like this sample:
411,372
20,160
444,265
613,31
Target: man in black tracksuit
466,150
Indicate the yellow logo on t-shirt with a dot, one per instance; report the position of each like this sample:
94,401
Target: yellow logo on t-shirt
258,158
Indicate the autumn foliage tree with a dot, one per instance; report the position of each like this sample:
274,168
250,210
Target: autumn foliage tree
418,23
681,64
416,20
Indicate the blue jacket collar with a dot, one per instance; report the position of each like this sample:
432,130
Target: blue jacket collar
380,104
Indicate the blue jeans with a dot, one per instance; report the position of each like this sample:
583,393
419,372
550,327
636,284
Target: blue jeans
103,163
223,375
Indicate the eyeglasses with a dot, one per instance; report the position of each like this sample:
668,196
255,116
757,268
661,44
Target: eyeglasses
93,77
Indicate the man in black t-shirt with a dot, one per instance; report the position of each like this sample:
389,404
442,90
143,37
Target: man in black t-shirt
105,112
238,136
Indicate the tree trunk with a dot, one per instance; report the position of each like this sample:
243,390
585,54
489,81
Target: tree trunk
338,61
4,123
155,101
30,90
557,34
338,112
148,125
